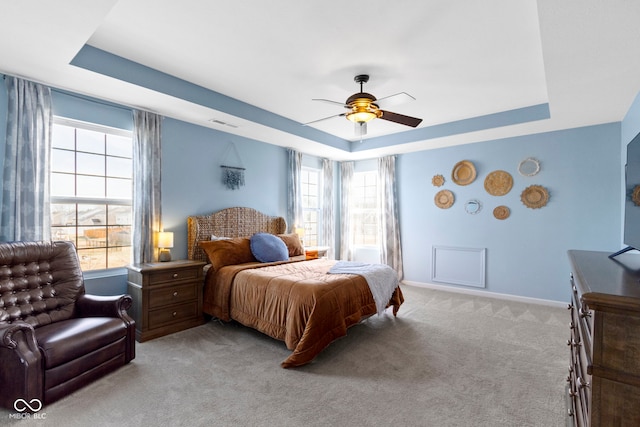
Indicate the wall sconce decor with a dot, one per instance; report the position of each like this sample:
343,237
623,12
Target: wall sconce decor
232,176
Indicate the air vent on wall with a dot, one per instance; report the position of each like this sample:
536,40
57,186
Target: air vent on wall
221,123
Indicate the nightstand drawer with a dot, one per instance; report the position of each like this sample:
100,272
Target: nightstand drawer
173,314
173,295
173,275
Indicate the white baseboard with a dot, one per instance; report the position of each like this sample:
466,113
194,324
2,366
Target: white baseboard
527,300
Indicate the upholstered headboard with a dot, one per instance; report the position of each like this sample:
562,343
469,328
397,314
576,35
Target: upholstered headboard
230,222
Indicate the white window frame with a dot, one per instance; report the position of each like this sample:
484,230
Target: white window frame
57,120
308,240
357,198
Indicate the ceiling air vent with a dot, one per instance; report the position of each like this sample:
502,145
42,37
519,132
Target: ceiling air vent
221,123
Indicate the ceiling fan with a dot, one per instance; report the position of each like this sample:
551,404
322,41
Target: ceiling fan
364,107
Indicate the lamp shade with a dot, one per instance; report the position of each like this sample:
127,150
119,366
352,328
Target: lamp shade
165,239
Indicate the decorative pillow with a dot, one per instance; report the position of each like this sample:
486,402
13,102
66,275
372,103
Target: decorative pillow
268,248
293,244
227,251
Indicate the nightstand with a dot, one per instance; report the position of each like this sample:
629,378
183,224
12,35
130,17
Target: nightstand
167,297
314,252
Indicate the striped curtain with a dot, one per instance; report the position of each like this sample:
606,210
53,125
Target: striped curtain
390,248
26,213
147,200
328,216
294,191
346,239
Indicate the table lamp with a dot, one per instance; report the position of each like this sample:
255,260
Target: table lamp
165,242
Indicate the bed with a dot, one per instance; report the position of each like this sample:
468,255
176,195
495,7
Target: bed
294,300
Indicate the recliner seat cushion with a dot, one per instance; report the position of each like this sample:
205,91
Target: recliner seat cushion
67,340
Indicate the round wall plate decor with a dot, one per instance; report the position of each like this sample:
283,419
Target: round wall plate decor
444,199
529,167
463,173
635,196
473,206
437,180
498,183
534,196
501,212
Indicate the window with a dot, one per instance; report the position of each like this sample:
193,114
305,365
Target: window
91,191
311,205
365,219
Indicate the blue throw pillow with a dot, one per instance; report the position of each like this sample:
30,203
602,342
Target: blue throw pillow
268,248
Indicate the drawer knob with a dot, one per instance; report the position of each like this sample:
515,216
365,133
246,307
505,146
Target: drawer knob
175,275
175,313
175,294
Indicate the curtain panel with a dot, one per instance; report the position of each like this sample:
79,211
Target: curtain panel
147,200
346,238
390,248
294,190
328,216
25,211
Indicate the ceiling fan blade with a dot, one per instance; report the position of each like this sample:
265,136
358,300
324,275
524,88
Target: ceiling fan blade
393,100
342,104
400,118
325,118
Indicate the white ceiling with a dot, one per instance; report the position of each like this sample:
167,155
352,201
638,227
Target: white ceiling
460,60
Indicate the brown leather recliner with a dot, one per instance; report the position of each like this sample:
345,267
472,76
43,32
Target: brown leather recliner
54,338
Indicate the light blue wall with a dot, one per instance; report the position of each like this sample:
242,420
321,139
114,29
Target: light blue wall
526,253
191,176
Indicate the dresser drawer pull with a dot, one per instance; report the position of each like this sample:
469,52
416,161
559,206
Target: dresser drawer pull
175,294
175,275
175,313
582,384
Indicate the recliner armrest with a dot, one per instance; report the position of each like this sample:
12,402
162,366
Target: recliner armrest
21,375
103,306
9,332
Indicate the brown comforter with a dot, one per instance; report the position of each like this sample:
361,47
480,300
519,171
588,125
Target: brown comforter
296,302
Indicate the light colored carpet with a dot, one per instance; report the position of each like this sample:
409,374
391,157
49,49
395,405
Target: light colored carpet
447,360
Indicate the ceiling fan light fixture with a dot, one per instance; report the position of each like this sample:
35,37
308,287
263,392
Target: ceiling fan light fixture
361,117
363,110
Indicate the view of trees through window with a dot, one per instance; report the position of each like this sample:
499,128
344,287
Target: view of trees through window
91,192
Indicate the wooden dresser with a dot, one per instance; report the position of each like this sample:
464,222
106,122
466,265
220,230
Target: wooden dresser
604,373
167,297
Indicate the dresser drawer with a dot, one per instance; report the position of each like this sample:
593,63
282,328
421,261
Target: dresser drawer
172,314
173,295
174,275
